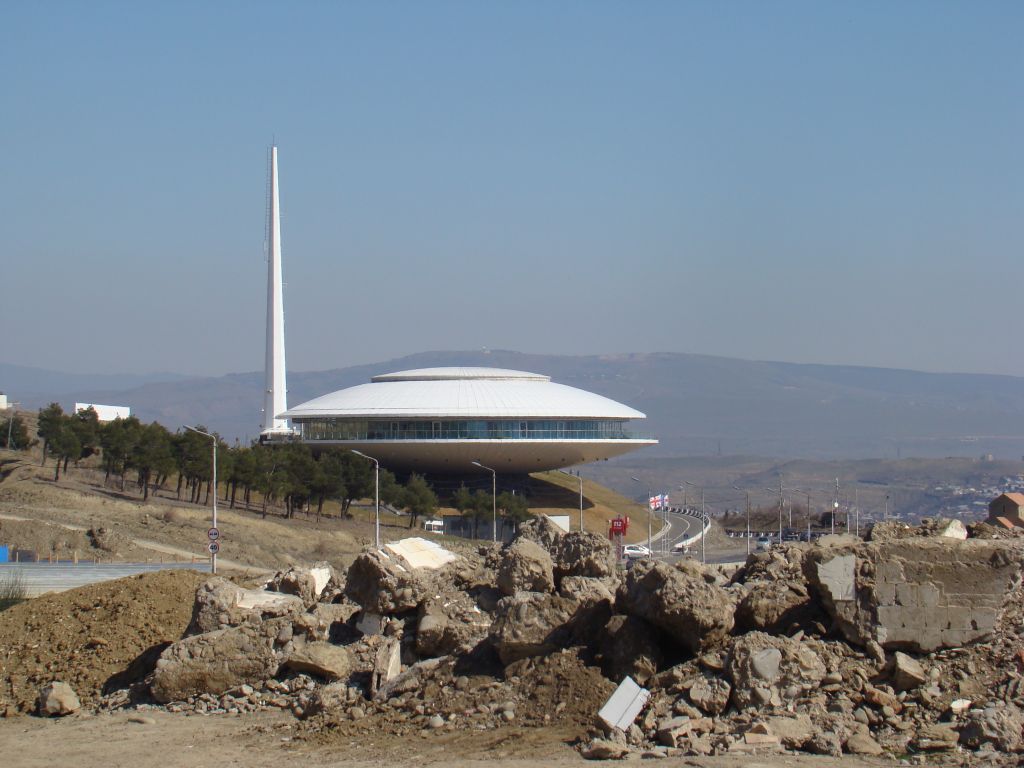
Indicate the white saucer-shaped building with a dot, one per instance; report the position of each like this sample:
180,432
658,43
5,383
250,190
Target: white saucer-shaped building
440,420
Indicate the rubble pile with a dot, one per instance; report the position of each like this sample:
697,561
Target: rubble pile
907,642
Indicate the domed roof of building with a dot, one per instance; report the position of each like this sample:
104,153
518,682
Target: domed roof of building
456,374
462,393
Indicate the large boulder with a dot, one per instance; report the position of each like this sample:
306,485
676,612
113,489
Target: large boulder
324,660
585,554
773,606
381,585
679,600
525,567
531,624
766,670
918,593
542,531
213,662
220,603
999,726
450,623
57,699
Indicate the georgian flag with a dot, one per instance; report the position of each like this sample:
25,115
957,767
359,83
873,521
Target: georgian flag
658,502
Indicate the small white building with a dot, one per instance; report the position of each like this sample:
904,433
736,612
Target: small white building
105,412
4,405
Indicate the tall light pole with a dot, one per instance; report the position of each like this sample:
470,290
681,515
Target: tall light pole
580,478
703,522
376,496
647,506
835,507
494,498
10,423
213,481
736,488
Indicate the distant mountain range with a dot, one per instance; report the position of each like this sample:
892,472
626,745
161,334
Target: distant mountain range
695,404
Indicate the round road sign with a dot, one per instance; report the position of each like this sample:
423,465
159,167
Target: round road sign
213,533
214,547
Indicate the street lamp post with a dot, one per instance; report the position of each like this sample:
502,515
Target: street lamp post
376,496
10,423
494,498
580,479
648,507
736,488
213,481
703,521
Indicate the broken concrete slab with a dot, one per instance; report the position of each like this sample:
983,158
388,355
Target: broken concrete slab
916,594
415,552
220,603
624,705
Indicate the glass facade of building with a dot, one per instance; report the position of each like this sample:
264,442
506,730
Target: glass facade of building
465,429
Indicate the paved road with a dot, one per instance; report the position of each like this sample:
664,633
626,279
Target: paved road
39,578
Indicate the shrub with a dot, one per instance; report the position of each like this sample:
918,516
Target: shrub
12,589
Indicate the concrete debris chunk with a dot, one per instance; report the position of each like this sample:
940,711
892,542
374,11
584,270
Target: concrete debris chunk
585,554
765,669
694,613
382,585
220,604
710,694
308,584
387,665
624,705
907,672
531,624
324,660
57,699
525,567
1001,727
213,662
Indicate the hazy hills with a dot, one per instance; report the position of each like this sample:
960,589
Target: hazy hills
696,404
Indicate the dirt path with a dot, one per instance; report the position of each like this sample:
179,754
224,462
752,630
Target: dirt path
268,740
184,554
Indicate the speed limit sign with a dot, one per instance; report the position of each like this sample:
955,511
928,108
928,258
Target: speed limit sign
214,547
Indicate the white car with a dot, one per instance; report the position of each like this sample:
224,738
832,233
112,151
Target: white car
679,548
635,551
764,543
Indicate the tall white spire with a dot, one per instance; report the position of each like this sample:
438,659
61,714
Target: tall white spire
275,398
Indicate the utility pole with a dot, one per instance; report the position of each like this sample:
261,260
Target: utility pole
780,510
835,507
10,423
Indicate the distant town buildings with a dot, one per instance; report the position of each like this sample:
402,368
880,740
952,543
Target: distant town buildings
1005,510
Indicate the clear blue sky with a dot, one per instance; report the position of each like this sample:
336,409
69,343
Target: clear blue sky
813,182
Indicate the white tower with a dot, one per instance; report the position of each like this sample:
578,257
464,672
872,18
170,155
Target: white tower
275,398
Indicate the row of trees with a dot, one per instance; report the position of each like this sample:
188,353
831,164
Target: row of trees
291,475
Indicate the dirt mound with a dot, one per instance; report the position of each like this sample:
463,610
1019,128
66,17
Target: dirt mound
86,636
559,691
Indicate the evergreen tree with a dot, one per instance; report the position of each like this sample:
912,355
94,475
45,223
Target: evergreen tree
49,425
14,426
419,499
